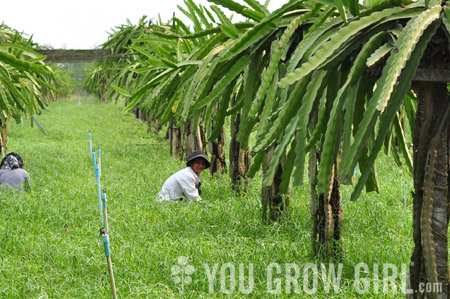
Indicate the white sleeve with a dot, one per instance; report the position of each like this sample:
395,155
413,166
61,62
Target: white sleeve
187,182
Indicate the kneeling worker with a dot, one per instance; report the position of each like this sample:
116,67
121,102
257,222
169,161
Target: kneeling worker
185,184
11,173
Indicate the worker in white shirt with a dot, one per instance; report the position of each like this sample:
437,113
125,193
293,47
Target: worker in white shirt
185,184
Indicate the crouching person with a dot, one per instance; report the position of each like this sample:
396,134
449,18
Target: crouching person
12,175
185,184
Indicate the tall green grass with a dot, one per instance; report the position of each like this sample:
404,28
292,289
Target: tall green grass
49,239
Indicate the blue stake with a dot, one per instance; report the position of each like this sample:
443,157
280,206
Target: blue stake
103,215
99,162
104,234
90,142
404,197
97,178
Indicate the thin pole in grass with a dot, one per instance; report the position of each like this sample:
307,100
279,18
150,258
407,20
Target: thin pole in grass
97,169
104,234
404,196
90,142
103,217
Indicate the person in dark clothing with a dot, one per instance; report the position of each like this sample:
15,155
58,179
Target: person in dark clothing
12,174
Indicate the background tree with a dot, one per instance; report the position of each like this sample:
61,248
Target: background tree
25,80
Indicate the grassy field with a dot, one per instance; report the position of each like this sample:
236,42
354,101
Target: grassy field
50,244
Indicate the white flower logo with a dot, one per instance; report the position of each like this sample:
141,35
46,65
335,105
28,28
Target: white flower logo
181,272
